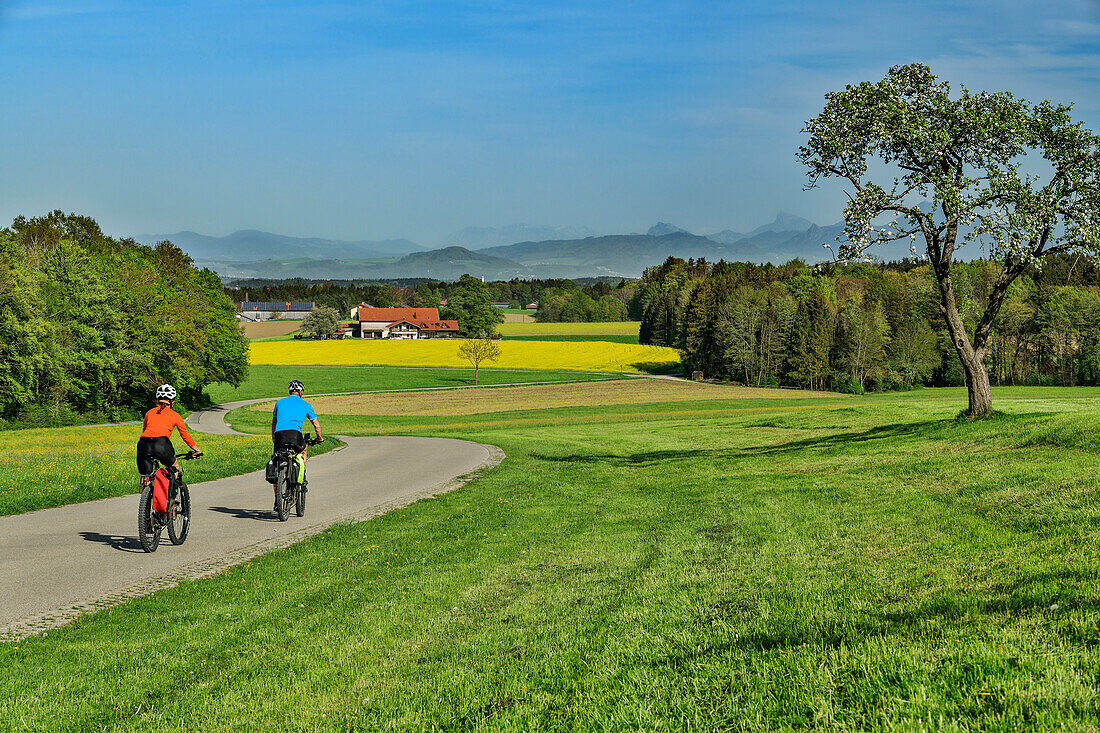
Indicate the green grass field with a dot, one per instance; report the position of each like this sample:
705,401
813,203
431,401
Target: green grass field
865,564
271,381
617,328
614,338
49,467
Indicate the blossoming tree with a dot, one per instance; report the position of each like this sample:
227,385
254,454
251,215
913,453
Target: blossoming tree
1017,179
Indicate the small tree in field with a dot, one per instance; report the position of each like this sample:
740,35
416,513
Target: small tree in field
966,155
478,350
320,322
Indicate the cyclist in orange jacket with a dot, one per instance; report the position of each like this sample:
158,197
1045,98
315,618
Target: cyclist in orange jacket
154,444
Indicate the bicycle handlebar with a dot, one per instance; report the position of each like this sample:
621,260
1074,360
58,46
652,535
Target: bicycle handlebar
189,455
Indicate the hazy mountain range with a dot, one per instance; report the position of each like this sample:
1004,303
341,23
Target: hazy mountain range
503,253
251,244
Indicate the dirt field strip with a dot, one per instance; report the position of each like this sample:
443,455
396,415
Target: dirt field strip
521,397
262,329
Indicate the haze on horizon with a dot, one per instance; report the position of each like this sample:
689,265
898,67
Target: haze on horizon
381,121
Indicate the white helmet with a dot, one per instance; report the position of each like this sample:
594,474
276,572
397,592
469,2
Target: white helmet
166,392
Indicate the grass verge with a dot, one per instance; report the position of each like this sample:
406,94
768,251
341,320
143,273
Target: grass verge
50,467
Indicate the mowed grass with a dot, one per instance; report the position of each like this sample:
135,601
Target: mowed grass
270,380
546,355
50,467
617,328
867,566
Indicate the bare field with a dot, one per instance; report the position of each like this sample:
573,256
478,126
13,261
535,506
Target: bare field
261,329
543,396
518,318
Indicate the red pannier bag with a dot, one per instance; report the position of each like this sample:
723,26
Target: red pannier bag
160,491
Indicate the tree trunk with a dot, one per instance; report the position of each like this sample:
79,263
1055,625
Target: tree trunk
977,387
973,359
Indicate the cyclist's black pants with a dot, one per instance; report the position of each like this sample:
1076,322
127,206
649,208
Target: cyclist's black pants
151,450
290,439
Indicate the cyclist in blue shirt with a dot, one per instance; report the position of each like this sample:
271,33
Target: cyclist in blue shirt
286,423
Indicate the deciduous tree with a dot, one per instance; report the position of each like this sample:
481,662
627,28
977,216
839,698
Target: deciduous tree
974,157
321,322
477,351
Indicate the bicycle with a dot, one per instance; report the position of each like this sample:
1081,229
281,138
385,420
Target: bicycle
177,516
288,491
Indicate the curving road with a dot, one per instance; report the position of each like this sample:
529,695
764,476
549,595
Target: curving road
56,564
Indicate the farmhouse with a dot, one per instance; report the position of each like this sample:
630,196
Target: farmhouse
401,323
257,310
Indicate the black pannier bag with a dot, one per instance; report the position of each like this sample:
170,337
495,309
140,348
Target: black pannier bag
270,471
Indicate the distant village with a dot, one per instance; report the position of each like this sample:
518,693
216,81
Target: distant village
367,322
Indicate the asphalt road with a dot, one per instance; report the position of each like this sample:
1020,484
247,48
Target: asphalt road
56,564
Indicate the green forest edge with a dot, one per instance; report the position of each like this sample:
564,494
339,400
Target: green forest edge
861,327
90,325
825,568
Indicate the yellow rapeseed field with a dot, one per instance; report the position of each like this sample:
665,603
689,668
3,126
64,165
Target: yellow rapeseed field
622,328
595,356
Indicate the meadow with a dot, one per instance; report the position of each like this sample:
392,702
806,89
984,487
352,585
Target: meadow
270,380
54,466
613,328
860,563
545,355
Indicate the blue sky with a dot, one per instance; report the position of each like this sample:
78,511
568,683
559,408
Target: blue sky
373,120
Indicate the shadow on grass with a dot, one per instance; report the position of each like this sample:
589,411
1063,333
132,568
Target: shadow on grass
836,440
648,458
119,542
263,515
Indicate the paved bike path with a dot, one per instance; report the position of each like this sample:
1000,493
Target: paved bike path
56,564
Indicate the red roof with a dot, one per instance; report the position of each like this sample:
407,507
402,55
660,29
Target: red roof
440,326
393,315
428,325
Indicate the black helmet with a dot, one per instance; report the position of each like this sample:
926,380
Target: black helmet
296,386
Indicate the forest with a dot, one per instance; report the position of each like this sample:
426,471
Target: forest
860,327
89,325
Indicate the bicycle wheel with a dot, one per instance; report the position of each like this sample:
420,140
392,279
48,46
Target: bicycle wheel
282,486
179,515
300,500
149,525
